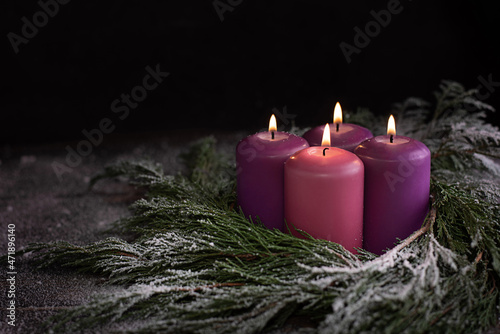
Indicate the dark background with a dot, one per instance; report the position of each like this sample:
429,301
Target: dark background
229,74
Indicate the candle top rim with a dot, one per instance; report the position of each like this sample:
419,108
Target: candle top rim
384,150
312,159
284,143
386,139
360,131
343,139
269,132
397,139
334,125
318,150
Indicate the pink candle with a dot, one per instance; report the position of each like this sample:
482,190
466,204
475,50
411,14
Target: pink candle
324,194
342,135
260,160
397,182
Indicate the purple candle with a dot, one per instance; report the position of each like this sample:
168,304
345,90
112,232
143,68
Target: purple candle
342,135
260,160
397,182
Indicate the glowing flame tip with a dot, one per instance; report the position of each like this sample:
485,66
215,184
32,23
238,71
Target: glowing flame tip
391,126
326,136
272,124
337,114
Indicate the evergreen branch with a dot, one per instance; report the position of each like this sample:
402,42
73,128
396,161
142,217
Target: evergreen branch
456,133
199,266
429,221
305,278
144,172
465,223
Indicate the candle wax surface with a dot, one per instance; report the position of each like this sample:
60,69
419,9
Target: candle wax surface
324,195
348,137
260,168
397,185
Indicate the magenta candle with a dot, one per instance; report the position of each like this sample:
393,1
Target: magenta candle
397,184
260,162
342,135
324,195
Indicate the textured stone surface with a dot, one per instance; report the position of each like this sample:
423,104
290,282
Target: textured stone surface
45,209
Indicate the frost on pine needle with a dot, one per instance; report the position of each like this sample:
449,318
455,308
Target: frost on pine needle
197,265
426,283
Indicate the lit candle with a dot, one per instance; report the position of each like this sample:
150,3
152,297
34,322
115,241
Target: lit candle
260,162
324,194
342,135
397,182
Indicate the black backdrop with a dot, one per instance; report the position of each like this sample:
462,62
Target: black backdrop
229,66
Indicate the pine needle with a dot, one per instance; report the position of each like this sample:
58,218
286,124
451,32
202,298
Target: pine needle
198,265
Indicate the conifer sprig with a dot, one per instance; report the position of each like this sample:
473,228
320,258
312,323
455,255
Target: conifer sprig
198,265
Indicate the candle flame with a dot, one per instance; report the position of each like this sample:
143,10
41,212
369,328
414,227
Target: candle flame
337,114
391,126
326,136
272,123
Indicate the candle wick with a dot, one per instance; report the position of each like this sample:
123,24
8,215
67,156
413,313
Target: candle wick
392,139
272,134
338,124
326,148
